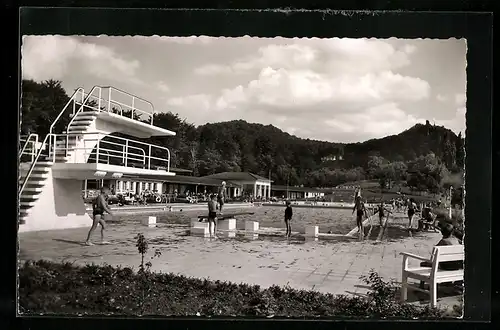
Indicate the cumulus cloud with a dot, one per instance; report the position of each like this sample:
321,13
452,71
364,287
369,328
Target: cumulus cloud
163,87
460,100
351,80
53,57
329,89
442,98
203,40
333,55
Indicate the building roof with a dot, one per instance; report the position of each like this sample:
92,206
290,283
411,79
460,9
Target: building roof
237,176
295,189
184,179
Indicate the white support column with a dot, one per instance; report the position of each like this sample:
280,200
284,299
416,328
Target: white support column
140,186
255,190
134,186
160,187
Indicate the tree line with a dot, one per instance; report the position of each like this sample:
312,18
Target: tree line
426,157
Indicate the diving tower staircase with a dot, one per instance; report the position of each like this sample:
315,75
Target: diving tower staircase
52,171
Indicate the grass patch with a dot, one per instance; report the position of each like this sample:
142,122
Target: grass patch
63,288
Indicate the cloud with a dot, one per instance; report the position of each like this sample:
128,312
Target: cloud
294,89
202,40
457,123
54,57
333,55
163,87
460,100
296,86
441,98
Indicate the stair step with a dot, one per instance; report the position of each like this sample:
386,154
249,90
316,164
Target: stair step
33,189
38,176
83,121
33,184
27,204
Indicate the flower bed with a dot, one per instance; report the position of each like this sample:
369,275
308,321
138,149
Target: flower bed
54,288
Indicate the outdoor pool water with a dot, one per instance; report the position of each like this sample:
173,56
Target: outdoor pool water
338,221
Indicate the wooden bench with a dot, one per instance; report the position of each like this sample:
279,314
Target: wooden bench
432,275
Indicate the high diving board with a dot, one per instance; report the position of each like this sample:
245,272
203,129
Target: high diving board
129,126
90,171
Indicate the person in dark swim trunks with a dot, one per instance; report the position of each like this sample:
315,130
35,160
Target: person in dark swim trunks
360,209
288,219
381,212
212,216
99,206
411,211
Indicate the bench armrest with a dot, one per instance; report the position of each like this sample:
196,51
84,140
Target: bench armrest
414,256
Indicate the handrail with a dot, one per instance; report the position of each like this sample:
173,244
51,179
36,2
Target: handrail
71,99
101,99
26,178
126,155
133,98
80,108
50,135
26,144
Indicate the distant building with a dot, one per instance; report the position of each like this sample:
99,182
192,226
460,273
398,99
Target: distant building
332,158
247,183
296,192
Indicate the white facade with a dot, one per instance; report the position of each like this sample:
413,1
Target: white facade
314,194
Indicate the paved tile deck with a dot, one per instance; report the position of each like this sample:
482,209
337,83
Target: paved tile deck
332,266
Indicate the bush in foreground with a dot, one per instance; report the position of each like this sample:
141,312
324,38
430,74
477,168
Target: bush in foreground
47,287
55,288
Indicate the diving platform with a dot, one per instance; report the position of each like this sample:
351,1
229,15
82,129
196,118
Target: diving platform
52,169
92,171
120,124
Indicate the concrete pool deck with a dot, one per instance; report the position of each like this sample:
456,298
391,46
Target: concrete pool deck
332,266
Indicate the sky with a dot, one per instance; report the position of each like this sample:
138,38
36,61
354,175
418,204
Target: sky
336,90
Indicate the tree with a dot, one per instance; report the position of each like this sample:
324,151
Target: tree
460,151
374,165
41,104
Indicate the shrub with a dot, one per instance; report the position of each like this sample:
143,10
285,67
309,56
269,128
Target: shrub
47,287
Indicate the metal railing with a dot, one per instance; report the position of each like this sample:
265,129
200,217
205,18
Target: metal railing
102,99
32,149
50,137
123,151
49,143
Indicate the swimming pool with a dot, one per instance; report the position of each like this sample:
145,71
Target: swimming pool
338,221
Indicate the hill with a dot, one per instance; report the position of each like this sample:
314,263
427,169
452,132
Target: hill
421,155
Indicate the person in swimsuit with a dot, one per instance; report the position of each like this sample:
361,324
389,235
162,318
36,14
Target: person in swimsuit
212,215
221,196
360,209
411,211
288,219
381,212
99,206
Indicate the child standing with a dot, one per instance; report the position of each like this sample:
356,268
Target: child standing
288,219
212,215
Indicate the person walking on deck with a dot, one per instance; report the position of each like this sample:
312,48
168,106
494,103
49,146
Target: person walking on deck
99,206
288,219
212,216
411,207
381,209
360,209
221,196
